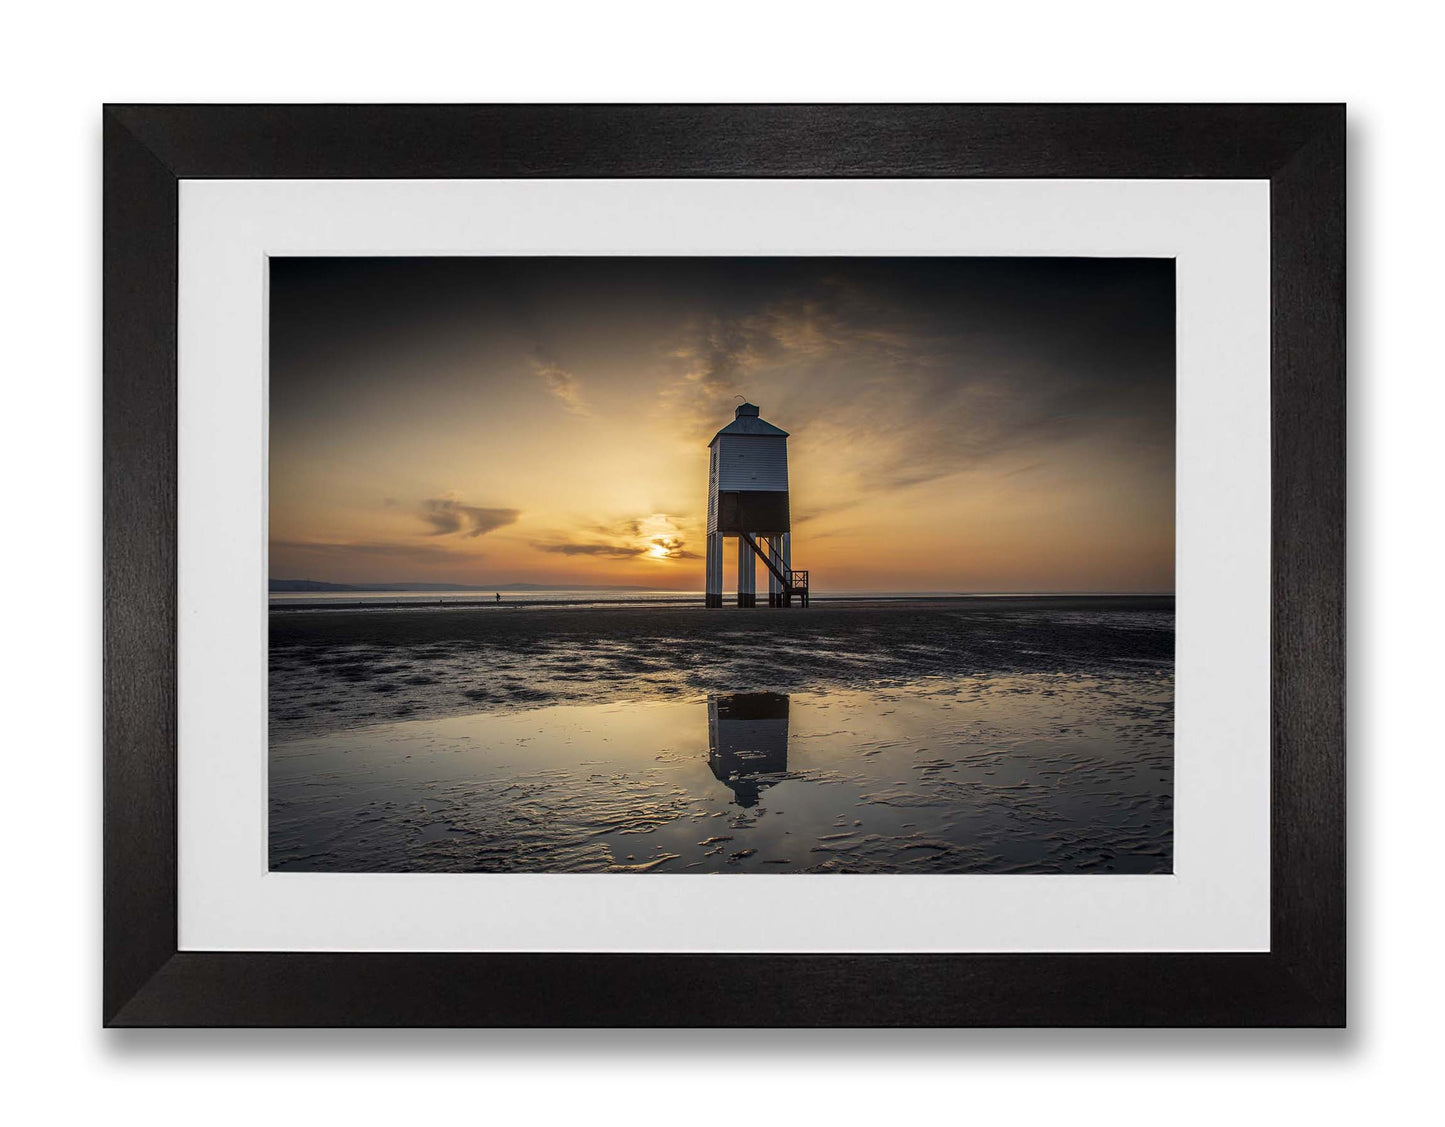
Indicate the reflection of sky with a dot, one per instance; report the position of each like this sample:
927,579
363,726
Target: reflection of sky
1035,773
971,424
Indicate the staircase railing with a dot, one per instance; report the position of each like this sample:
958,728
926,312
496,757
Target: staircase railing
792,582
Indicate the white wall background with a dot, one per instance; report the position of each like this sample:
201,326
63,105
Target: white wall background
61,62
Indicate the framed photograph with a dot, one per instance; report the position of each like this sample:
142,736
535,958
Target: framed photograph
724,565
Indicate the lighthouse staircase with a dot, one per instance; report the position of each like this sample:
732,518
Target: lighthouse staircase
793,583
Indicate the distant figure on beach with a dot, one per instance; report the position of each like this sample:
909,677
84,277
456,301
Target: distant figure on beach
499,596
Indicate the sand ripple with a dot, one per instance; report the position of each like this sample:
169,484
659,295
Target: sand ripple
1038,773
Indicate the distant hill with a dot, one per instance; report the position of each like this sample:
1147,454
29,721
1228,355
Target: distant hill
304,585
308,585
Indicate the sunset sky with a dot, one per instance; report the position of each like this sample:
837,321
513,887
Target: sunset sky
977,424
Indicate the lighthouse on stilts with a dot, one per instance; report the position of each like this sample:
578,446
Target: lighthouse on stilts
747,497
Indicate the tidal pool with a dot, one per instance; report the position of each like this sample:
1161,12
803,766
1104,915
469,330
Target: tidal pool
1030,773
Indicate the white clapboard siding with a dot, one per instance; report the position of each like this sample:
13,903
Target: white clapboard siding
750,462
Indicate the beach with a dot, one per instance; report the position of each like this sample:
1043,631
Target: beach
999,734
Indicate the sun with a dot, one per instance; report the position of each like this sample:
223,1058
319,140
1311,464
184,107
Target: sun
657,552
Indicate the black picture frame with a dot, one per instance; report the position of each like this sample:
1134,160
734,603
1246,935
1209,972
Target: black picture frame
1299,149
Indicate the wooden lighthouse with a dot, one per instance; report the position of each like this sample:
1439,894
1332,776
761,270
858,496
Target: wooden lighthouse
747,498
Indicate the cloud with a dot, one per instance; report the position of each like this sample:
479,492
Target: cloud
670,548
718,359
658,548
886,388
656,537
608,551
810,352
563,385
448,516
619,528
813,512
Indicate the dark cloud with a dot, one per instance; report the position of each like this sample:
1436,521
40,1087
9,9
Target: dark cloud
813,512
607,551
672,548
658,547
448,517
619,528
927,365
922,369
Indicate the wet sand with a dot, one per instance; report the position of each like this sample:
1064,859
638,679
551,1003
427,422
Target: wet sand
1020,735
334,669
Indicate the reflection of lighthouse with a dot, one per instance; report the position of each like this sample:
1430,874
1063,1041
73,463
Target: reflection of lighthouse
747,740
747,497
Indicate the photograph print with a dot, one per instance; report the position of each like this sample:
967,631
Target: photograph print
721,565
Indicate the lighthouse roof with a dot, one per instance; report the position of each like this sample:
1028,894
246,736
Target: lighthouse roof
746,421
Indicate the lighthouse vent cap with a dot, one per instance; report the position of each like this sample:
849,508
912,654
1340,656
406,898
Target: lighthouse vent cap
746,421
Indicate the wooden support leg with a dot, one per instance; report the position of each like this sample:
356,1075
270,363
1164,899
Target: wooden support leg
714,584
785,552
747,575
